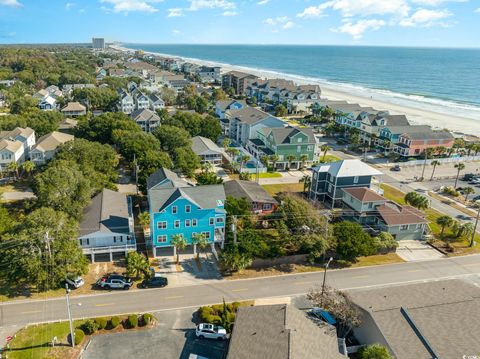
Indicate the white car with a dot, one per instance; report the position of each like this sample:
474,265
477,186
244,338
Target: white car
210,331
75,282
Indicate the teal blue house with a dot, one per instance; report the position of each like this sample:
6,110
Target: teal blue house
177,207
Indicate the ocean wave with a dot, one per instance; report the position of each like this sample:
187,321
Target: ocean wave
415,101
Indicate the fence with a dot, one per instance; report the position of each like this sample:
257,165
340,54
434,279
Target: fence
441,160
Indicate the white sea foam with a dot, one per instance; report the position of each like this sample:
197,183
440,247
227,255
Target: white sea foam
416,102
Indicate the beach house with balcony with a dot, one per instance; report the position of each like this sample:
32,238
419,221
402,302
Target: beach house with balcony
378,214
222,106
74,109
207,150
47,146
295,147
330,179
107,227
178,208
125,102
237,80
261,202
246,122
15,146
146,119
414,141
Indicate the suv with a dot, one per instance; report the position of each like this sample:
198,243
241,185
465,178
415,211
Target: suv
115,281
75,282
210,331
154,282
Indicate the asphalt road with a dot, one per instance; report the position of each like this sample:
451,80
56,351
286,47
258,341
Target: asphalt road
16,314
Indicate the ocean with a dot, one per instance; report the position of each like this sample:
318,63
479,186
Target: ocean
447,80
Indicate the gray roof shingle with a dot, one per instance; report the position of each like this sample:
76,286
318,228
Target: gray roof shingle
252,191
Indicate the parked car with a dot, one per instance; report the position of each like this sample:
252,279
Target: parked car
210,331
154,282
469,176
475,181
115,281
476,198
395,168
74,282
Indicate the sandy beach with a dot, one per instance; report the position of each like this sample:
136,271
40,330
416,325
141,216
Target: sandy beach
418,113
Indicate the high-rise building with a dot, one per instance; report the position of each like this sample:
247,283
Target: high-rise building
98,43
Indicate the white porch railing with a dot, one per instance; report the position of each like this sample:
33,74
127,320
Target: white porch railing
110,249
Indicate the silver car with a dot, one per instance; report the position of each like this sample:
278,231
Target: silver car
210,331
75,282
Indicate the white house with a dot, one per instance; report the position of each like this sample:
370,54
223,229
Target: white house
207,150
156,103
47,146
47,103
107,225
141,100
209,74
126,103
224,105
74,109
11,151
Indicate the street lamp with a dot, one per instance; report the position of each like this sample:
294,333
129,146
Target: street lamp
72,336
325,277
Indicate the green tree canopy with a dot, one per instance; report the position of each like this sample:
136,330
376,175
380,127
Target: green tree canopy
186,160
101,128
172,137
353,241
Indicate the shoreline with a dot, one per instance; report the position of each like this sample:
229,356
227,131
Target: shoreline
420,113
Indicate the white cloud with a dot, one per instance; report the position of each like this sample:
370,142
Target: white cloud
176,32
426,18
315,11
69,5
278,20
357,29
478,10
288,25
435,2
175,12
132,5
211,4
263,2
14,3
230,13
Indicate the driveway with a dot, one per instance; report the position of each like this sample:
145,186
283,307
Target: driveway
190,271
173,337
18,195
412,250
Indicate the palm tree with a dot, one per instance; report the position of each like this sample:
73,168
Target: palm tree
416,200
459,167
468,191
467,229
264,160
144,219
226,142
303,159
441,150
179,243
244,159
200,240
434,163
307,182
325,149
28,167
290,159
274,159
470,147
233,152
444,222
13,168
427,153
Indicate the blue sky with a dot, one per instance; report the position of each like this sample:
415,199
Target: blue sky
439,23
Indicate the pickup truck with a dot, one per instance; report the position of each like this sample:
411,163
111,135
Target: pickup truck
115,281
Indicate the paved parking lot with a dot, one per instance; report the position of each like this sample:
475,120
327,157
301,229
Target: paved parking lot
173,337
412,250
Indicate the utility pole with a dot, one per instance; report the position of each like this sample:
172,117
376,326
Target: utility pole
72,335
324,278
472,241
234,229
136,171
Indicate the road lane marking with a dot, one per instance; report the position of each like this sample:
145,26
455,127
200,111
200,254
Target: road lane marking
32,311
175,297
240,290
360,276
415,270
104,304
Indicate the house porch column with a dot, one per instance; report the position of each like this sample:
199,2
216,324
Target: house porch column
194,249
93,257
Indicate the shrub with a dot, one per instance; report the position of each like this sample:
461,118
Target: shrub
79,335
147,318
89,327
101,323
114,322
205,312
375,351
132,321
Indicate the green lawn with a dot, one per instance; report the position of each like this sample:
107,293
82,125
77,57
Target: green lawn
270,175
329,158
33,341
274,189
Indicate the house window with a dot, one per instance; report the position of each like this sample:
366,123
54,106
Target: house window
188,209
177,224
329,187
161,238
355,179
114,239
370,205
310,148
162,225
419,225
299,140
299,149
207,235
187,223
194,222
404,227
219,219
174,209
267,206
212,221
